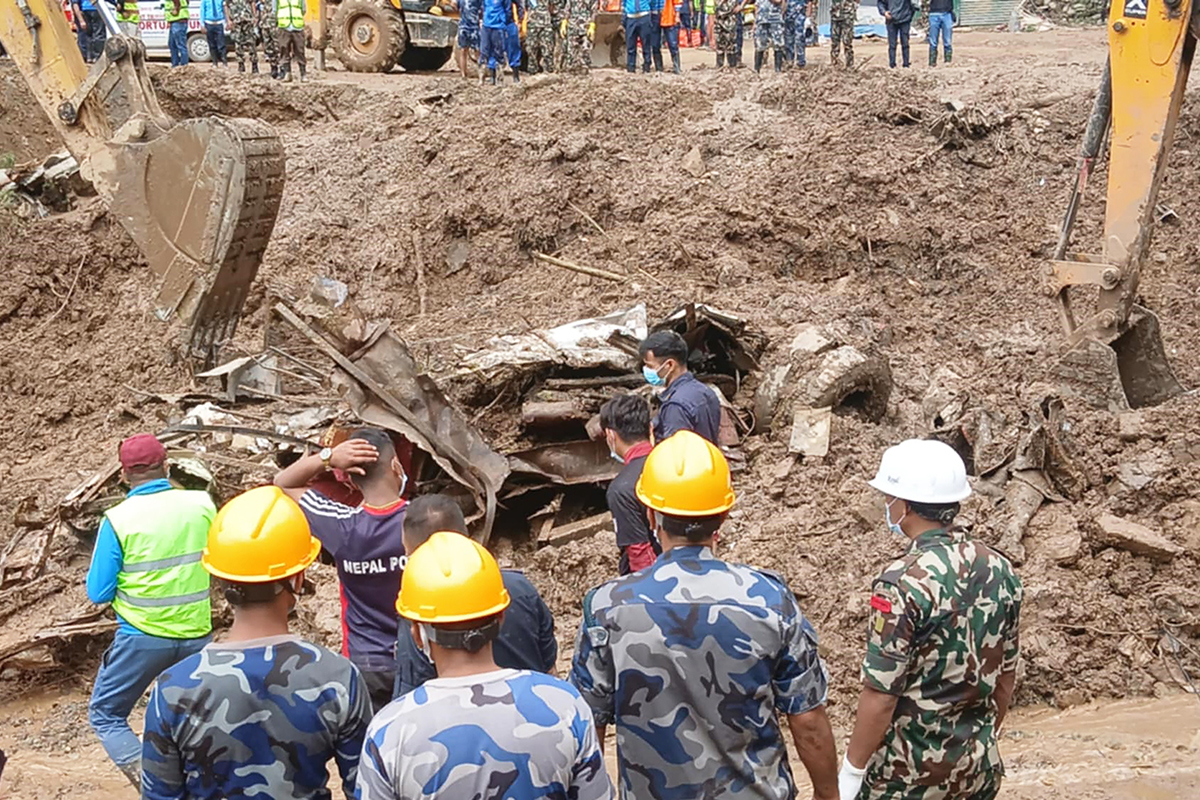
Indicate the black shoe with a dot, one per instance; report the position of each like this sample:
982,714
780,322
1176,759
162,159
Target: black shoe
253,67
274,72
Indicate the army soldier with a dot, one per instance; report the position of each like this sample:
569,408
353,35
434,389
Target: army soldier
476,730
842,16
576,29
727,13
261,713
265,27
693,657
242,27
942,645
539,37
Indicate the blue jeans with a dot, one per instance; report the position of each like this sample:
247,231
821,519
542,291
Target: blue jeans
656,39
671,36
941,22
512,45
637,28
177,43
215,33
491,47
130,665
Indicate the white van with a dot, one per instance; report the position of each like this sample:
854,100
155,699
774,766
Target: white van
153,29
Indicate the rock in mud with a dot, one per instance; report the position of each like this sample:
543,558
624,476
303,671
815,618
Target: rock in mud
1136,538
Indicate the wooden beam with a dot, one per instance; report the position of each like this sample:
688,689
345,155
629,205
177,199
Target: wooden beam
574,531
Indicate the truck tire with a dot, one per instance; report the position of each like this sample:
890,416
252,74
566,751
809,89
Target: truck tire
425,59
368,36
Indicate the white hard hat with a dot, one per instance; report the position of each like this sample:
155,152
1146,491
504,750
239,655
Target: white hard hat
923,471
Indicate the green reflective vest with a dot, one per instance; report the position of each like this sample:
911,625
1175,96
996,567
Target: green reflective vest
289,15
128,11
162,588
170,15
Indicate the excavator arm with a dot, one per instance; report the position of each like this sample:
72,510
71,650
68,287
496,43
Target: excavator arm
198,196
1116,357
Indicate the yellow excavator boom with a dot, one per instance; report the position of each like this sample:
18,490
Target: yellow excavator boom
1117,357
198,196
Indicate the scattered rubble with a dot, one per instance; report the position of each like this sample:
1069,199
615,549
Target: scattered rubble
1135,537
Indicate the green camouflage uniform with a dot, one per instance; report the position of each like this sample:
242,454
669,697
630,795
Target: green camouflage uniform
266,32
539,37
943,629
725,30
245,32
577,50
842,16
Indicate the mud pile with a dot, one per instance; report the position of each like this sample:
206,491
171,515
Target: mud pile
857,202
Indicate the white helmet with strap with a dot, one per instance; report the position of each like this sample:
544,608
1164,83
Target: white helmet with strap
923,471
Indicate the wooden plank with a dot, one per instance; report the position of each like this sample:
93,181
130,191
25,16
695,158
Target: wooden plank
574,531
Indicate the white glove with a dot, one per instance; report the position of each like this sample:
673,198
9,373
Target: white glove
850,780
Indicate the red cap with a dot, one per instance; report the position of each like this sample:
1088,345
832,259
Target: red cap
141,450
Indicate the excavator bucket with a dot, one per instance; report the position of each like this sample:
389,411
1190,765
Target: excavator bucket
200,200
608,45
1132,371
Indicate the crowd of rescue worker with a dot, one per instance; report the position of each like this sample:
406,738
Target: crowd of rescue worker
446,685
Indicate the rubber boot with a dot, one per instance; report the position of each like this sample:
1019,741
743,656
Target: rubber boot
658,62
516,74
933,58
720,60
778,61
758,60
302,77
241,66
675,64
133,771
287,73
253,67
274,72
949,53
492,75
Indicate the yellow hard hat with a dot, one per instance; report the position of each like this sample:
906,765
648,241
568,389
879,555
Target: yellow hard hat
259,536
686,475
451,578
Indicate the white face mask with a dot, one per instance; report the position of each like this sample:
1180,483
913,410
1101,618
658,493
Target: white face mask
894,527
612,450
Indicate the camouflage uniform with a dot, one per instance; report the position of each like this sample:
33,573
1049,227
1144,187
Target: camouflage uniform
539,37
266,33
943,629
725,30
768,26
842,16
503,735
244,33
794,17
691,659
577,50
259,718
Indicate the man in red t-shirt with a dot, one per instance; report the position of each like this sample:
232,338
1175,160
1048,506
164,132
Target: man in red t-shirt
625,420
366,544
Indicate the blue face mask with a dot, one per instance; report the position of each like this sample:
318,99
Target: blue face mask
894,527
652,377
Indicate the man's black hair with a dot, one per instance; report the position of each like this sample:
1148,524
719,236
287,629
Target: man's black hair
430,513
693,529
383,443
942,513
664,345
470,635
628,416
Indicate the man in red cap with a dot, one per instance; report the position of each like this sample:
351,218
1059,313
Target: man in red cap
147,564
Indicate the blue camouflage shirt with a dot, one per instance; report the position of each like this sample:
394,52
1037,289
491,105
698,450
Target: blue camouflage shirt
502,735
691,659
259,718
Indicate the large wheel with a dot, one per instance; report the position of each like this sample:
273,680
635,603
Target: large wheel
367,36
197,48
425,59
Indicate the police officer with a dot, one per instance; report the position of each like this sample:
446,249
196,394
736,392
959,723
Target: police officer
263,712
476,730
692,658
686,403
942,644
